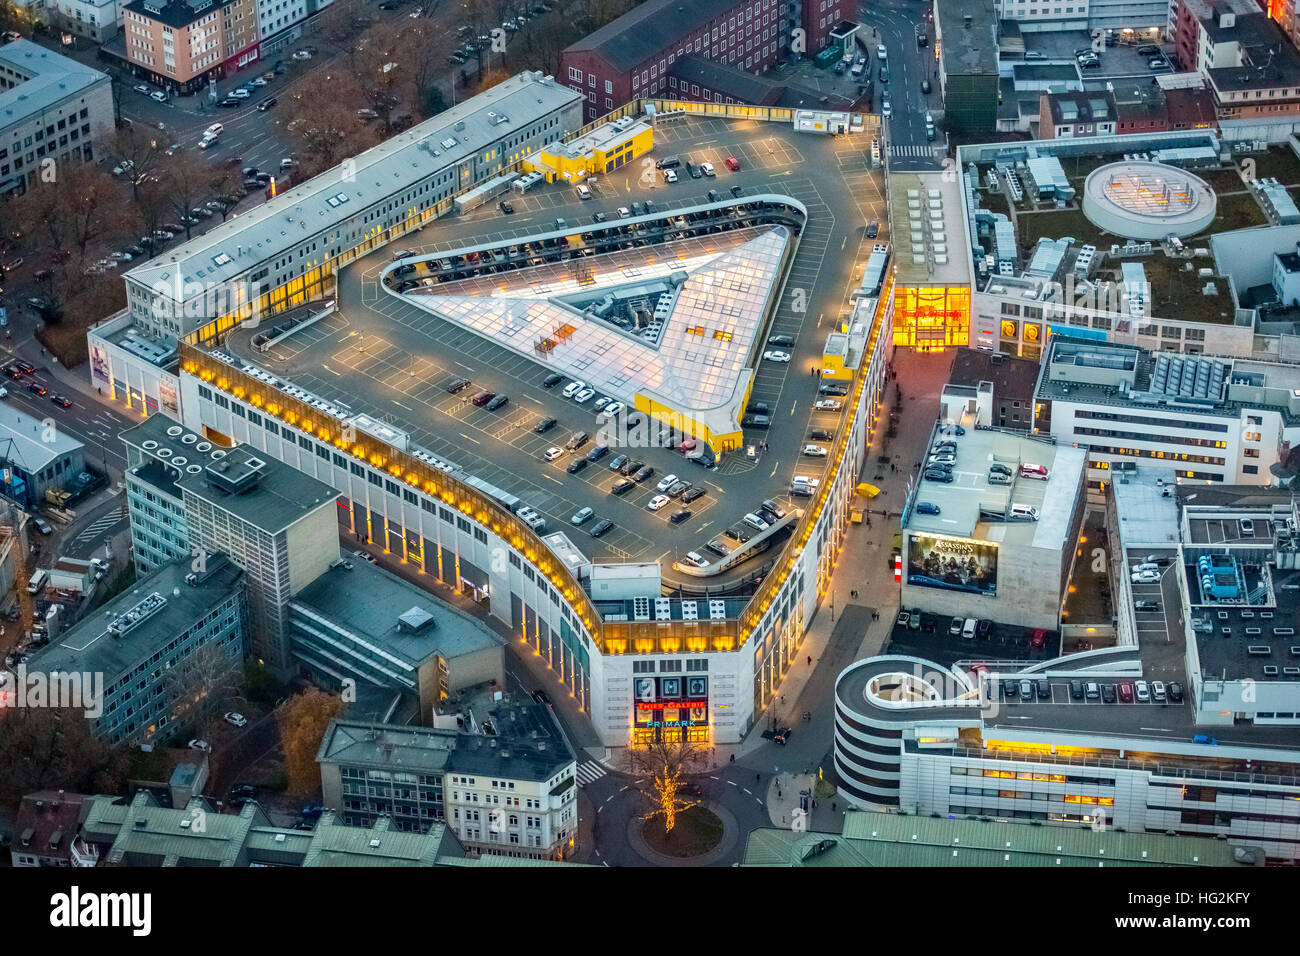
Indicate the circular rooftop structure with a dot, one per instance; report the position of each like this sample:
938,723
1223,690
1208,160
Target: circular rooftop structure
1139,200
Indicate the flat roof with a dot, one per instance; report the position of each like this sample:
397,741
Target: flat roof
1101,373
894,840
929,244
525,744
336,195
170,604
370,602
31,450
647,29
280,496
973,49
45,79
964,504
702,362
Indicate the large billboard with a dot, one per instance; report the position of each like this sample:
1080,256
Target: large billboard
958,564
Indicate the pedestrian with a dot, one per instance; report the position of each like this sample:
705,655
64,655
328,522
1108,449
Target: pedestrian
733,759
810,660
758,777
832,806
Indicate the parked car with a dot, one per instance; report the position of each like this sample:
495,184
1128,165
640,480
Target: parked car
201,745
235,719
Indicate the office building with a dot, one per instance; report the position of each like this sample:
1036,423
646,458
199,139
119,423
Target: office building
52,108
359,622
1211,419
508,789
1010,393
141,643
188,497
634,56
966,35
96,20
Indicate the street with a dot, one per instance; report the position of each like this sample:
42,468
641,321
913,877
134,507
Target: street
893,23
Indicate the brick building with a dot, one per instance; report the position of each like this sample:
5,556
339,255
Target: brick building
633,56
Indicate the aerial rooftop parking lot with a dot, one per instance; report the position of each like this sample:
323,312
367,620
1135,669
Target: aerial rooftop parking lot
411,347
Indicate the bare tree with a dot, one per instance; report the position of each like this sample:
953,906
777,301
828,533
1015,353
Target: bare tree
327,130
141,149
200,683
46,748
664,766
78,205
186,181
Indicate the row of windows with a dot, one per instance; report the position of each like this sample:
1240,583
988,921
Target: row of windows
1187,424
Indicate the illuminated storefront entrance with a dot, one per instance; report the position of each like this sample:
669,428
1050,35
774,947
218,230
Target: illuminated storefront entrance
931,318
671,708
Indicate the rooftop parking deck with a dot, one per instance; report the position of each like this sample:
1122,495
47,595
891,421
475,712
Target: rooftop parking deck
386,357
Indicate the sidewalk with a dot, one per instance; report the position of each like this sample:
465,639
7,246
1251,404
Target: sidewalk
785,799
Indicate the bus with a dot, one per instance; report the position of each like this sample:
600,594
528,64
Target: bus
873,276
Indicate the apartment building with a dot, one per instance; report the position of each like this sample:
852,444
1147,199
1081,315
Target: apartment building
508,789
182,44
52,108
141,643
634,55
96,20
188,498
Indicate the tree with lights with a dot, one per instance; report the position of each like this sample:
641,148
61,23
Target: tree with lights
664,765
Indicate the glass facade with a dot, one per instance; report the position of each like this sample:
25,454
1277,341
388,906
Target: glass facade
931,318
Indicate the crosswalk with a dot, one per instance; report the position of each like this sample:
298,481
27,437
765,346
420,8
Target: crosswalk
100,525
918,152
589,772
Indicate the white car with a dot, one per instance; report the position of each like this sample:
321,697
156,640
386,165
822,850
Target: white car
584,396
814,451
624,212
657,502
234,719
707,169
573,388
943,459
302,55
141,89
259,81
240,94
584,191
581,516
553,453
158,96
670,175
886,109
1146,577
828,405
612,410
667,482
775,356
199,745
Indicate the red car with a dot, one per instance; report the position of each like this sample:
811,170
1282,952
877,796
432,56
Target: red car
1125,690
1038,639
733,164
1028,470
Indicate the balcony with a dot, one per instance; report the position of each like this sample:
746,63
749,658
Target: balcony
83,853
